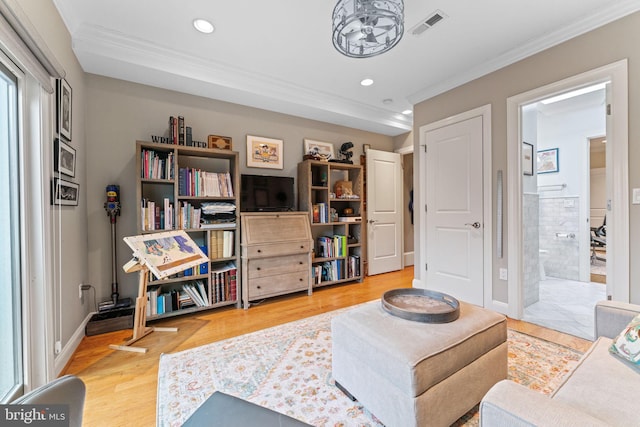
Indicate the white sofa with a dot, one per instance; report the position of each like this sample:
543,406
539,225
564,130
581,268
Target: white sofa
600,391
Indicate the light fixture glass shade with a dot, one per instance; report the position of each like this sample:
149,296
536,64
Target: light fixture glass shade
364,28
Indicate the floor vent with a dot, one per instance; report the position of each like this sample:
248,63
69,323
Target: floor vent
428,22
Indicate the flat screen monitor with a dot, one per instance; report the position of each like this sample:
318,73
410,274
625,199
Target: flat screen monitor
264,193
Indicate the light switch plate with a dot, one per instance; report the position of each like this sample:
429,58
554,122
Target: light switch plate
636,196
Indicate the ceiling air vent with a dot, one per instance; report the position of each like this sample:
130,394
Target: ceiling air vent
428,22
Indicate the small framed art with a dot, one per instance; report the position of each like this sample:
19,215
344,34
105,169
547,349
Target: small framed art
64,158
527,159
264,152
64,193
64,109
548,161
319,149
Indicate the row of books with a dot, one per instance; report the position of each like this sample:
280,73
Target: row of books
156,216
221,244
192,294
197,183
320,213
156,165
339,269
163,216
331,246
224,281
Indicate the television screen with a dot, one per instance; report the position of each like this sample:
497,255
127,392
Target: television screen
262,193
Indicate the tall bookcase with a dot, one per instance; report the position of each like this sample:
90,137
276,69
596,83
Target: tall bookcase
336,216
175,186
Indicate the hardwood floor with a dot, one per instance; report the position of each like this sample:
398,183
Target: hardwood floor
121,386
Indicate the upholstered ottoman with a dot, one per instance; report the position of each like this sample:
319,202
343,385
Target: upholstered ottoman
409,373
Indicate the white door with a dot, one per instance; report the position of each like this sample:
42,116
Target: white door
384,211
454,218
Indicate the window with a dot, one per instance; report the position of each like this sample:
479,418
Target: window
11,376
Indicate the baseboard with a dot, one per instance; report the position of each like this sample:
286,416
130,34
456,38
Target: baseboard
408,258
417,283
63,358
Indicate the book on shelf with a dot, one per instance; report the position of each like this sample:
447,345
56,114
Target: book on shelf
221,244
322,210
224,279
331,246
198,183
156,164
188,216
155,216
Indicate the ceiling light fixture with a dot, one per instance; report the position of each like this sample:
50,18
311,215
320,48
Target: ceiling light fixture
573,93
366,82
203,26
364,28
407,112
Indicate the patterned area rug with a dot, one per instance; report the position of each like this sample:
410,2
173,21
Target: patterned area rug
288,368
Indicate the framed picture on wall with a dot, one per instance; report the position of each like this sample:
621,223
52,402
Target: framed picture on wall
264,152
63,116
548,161
527,159
319,149
64,193
64,158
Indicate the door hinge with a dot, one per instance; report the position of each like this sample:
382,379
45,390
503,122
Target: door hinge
426,266
425,208
608,109
425,147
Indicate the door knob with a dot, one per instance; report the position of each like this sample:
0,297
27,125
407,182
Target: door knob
474,225
372,221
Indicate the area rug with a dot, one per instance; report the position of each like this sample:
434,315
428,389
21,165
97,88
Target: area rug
287,368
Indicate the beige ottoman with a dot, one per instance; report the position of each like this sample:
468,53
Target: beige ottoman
418,374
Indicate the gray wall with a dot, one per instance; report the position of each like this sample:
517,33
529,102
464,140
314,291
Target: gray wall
119,113
599,47
69,224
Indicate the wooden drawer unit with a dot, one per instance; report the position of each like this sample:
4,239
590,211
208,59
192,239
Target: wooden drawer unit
276,254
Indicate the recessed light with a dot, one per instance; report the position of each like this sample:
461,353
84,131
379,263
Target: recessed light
387,101
203,26
366,82
407,112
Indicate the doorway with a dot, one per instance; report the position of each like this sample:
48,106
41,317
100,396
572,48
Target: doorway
557,215
616,182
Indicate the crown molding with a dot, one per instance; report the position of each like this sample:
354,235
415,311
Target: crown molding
113,54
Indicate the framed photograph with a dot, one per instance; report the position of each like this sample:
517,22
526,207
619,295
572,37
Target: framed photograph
527,159
548,161
64,193
264,152
63,118
166,253
64,158
319,149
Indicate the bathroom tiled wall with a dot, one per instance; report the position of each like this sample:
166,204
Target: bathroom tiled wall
531,242
559,220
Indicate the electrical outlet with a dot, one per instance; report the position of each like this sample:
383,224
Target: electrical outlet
58,347
503,274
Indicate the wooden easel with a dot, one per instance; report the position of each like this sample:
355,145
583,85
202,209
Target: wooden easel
140,328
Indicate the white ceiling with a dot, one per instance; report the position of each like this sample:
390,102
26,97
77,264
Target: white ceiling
278,55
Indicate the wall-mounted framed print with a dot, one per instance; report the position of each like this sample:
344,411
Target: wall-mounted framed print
318,150
63,117
264,152
64,193
527,159
548,161
64,158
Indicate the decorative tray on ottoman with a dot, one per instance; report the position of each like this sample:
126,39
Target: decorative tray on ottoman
421,305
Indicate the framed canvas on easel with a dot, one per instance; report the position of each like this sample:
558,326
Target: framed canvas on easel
162,254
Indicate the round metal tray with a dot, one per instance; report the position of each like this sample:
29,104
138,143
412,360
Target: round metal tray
421,305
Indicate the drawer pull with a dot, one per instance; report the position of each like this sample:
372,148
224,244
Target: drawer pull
301,247
301,279
259,287
258,268
259,250
301,262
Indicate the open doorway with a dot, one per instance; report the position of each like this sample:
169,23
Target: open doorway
558,241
